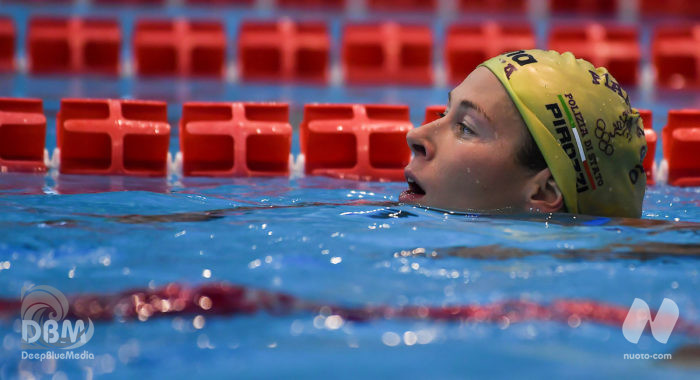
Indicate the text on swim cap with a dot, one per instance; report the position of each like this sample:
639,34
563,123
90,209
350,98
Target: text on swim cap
578,116
519,57
589,159
611,84
567,144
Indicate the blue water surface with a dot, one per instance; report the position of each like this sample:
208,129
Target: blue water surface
209,230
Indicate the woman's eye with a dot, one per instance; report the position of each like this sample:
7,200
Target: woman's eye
464,129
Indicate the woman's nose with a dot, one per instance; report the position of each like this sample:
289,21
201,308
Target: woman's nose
419,141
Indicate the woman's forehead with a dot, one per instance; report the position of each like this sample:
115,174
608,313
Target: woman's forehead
482,89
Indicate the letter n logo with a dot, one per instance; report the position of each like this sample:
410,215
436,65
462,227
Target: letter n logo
639,315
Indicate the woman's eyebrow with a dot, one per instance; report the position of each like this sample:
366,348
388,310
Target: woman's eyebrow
469,104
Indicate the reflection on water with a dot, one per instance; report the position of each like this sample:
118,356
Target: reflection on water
333,263
642,252
79,184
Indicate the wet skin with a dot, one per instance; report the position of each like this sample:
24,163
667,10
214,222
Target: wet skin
466,160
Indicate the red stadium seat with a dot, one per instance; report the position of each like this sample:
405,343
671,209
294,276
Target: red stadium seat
284,50
360,142
247,3
676,55
388,53
127,137
235,139
22,135
180,48
493,6
681,144
7,44
615,47
402,5
468,45
130,2
73,45
684,8
39,2
651,138
312,4
586,7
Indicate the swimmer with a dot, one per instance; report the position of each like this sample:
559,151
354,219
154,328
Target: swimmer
531,131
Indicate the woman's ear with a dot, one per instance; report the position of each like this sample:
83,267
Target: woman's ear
543,194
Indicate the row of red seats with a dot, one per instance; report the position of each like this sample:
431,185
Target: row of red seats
381,53
363,142
586,7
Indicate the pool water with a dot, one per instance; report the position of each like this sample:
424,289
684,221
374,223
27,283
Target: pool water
341,244
309,237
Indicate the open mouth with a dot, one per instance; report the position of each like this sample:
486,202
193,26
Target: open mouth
414,187
414,191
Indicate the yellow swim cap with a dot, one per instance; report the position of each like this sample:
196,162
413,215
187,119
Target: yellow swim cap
582,121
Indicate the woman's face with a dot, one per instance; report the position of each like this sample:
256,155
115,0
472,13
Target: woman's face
466,160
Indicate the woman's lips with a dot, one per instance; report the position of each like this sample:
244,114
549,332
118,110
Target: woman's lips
414,192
